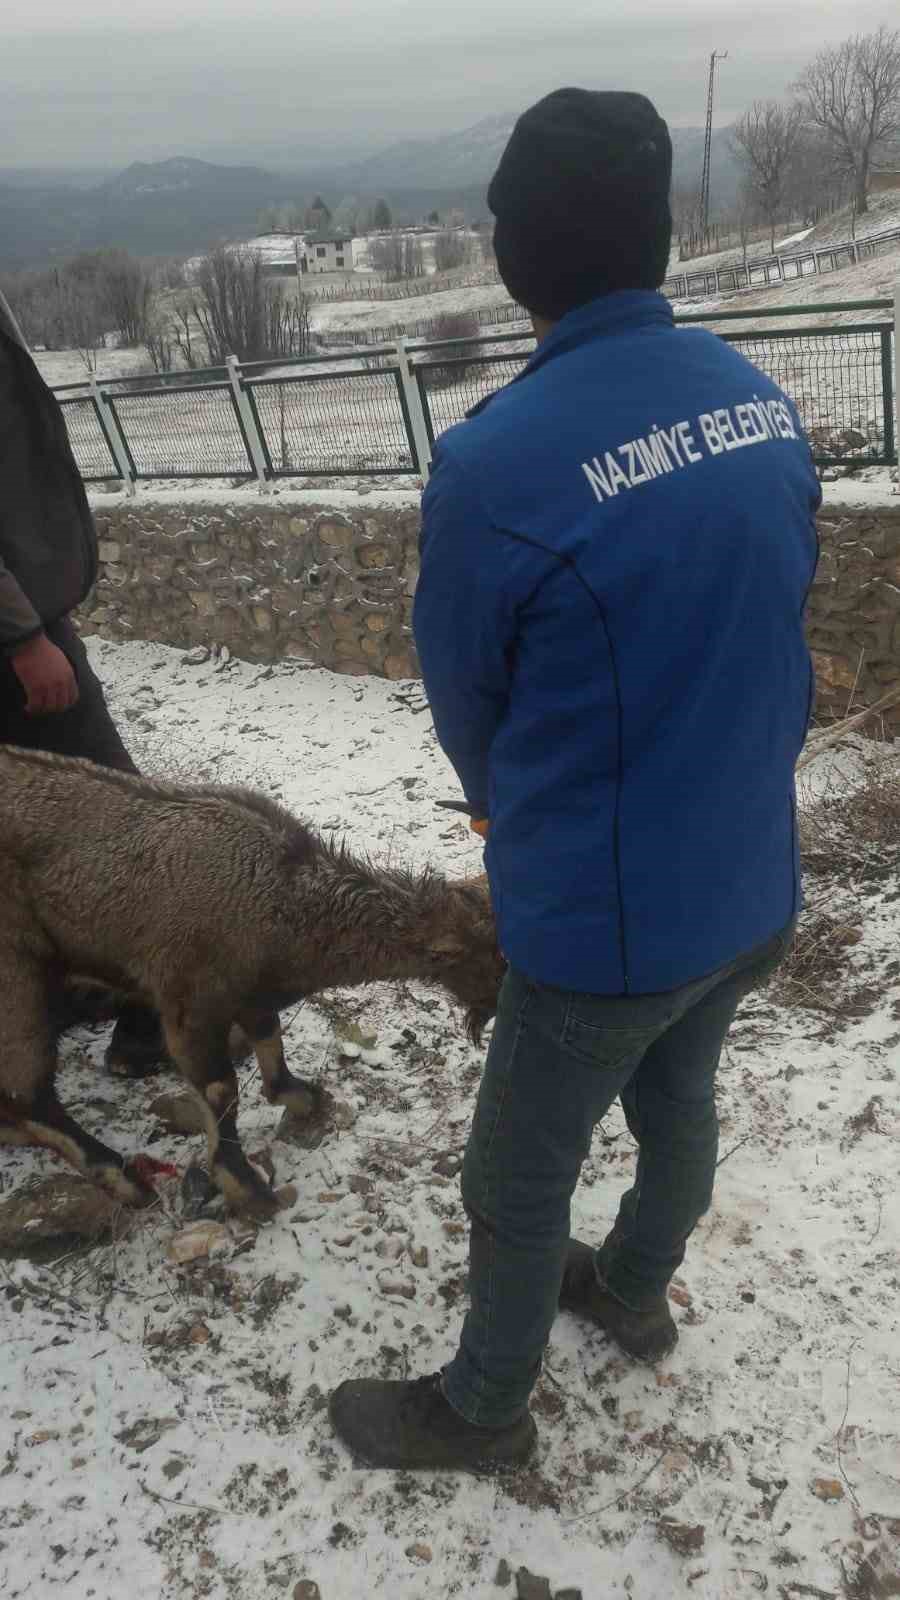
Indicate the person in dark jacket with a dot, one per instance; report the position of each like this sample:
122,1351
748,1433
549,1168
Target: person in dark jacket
50,698
616,554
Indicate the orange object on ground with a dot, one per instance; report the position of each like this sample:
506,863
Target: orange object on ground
479,825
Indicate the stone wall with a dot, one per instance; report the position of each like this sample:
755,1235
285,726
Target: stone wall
336,586
266,580
854,609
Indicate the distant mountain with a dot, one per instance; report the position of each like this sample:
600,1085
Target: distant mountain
147,181
469,159
455,161
181,206
152,208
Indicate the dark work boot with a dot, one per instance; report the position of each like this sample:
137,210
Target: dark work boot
137,1046
646,1335
397,1424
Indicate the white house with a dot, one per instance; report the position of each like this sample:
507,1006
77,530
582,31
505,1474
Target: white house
327,255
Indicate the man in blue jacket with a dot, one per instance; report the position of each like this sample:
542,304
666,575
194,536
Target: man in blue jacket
616,552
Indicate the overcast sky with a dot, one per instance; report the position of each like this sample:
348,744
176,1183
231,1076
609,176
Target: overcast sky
106,82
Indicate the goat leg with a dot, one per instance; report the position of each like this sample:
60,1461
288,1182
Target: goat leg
299,1098
200,1049
30,1112
49,1124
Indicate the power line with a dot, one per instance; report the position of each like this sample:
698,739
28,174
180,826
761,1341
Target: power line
717,55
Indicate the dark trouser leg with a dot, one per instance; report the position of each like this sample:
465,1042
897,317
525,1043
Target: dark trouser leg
540,1098
556,1064
670,1108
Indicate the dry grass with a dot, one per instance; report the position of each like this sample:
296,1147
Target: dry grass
851,852
815,973
855,838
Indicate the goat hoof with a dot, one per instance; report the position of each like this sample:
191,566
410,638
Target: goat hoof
303,1101
125,1184
244,1192
260,1206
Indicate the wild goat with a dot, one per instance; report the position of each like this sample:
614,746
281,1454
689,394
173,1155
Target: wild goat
215,906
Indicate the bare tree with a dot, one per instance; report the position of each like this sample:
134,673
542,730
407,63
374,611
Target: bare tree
186,333
812,187
386,256
687,218
171,273
397,256
413,258
162,344
765,142
126,293
81,317
454,325
851,94
747,218
484,243
452,248
242,312
75,305
31,294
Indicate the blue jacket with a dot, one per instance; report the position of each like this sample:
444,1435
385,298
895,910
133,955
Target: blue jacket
616,552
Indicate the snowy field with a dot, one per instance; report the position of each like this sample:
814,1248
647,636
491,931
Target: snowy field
349,426
883,215
164,1428
350,315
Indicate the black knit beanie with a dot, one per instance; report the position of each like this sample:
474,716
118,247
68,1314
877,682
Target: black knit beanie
581,198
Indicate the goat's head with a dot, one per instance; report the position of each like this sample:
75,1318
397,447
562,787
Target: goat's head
463,953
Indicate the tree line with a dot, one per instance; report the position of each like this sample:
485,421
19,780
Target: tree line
230,306
349,218
814,151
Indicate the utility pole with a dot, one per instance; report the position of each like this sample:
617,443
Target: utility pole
717,55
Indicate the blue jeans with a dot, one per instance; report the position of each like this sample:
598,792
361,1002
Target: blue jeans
557,1062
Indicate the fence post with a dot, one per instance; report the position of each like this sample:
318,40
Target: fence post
418,427
247,419
109,422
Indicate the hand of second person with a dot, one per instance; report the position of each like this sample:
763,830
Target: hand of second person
46,675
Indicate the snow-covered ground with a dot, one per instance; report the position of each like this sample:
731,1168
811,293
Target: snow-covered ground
882,216
352,314
59,367
793,238
164,1431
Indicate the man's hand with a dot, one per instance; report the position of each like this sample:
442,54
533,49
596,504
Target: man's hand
46,675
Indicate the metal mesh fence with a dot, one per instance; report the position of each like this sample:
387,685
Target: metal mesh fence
347,422
189,431
90,448
840,382
451,388
324,419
